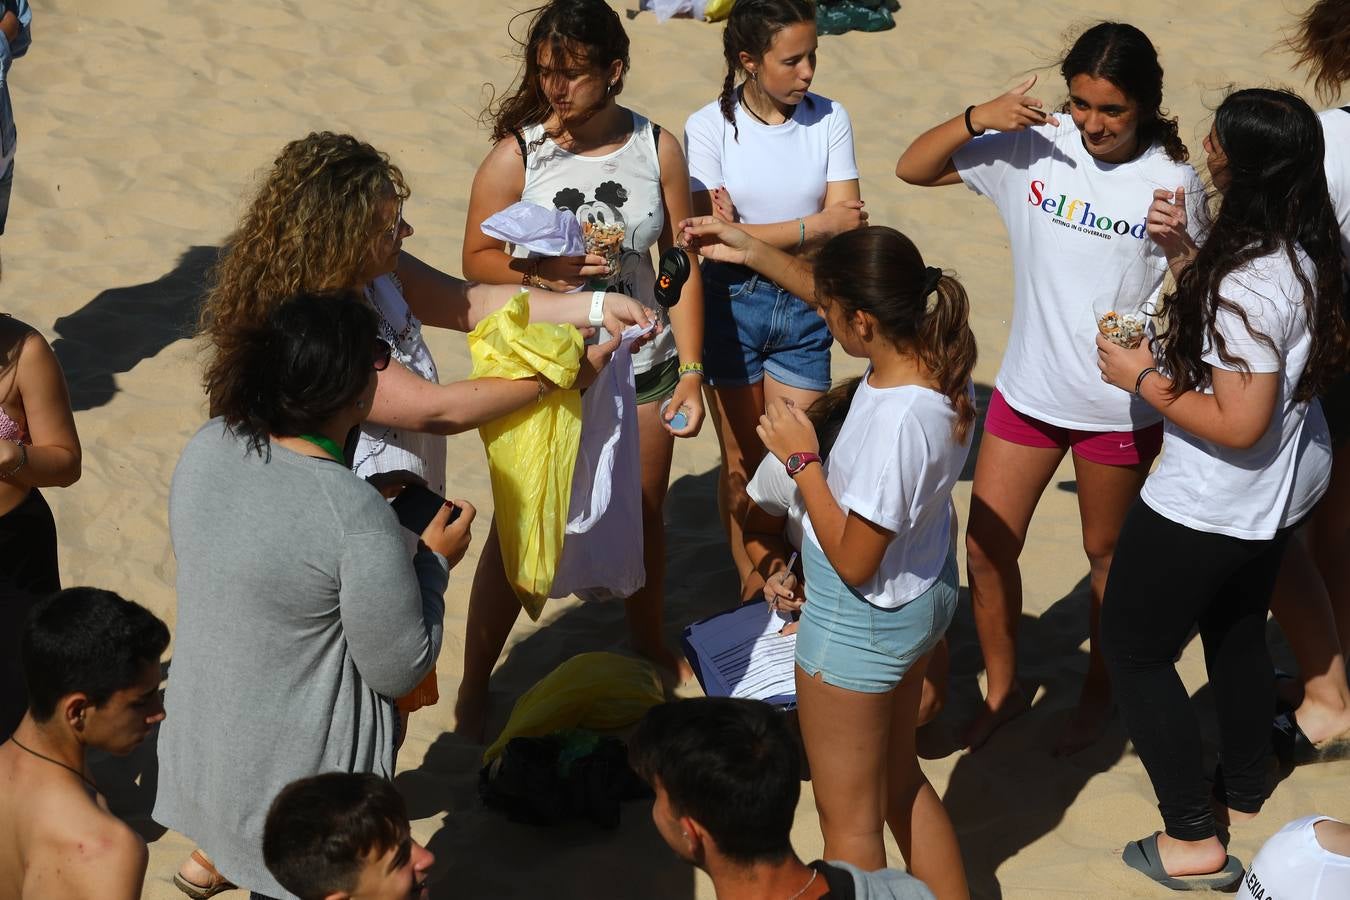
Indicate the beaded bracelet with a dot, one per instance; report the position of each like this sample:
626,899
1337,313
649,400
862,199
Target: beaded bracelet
23,456
693,368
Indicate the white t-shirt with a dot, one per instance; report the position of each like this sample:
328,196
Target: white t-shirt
894,464
1293,865
773,490
1252,493
774,173
1079,248
1336,135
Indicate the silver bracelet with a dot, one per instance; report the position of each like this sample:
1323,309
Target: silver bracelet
23,460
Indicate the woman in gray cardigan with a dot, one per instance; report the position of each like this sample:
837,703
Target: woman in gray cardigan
300,615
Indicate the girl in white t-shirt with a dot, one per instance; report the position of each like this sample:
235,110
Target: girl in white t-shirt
881,580
1072,190
562,140
1254,332
1312,595
778,160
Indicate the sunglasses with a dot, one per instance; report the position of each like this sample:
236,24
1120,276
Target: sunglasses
383,352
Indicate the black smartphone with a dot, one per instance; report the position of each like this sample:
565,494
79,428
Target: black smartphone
416,506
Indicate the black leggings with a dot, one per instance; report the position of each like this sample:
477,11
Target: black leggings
1165,579
27,574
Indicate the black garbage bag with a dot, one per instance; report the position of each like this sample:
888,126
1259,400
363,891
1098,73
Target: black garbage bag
561,777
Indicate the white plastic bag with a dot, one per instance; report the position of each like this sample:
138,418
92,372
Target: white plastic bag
666,9
540,230
602,551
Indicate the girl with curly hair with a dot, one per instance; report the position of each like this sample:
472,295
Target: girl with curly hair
328,216
563,141
1255,330
1072,190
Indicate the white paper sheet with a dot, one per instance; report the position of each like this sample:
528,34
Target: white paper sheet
741,654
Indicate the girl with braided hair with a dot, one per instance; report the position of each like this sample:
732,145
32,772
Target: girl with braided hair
778,161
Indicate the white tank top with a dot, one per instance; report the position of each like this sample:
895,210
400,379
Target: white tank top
388,449
620,188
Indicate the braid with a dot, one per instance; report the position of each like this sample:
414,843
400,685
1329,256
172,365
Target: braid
727,99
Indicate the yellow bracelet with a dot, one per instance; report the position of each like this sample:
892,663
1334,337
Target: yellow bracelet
693,368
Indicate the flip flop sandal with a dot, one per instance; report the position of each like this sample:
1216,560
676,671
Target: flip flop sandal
1294,749
1142,855
671,276
217,884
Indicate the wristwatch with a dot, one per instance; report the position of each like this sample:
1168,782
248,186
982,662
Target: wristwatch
597,315
798,461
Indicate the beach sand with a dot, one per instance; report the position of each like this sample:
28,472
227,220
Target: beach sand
142,125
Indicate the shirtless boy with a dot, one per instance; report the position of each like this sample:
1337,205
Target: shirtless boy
91,661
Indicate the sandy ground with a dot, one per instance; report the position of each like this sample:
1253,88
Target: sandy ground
142,125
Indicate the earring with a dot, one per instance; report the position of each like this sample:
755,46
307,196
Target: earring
360,404
754,75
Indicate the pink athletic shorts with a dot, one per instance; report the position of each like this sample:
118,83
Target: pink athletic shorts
1110,448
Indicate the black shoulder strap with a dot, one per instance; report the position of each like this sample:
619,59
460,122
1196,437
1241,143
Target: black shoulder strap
520,141
839,882
656,134
1345,109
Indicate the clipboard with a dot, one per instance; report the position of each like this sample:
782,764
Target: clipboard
739,653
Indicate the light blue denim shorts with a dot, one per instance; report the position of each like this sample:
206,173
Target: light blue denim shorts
861,647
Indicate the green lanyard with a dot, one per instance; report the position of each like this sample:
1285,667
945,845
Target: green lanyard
326,445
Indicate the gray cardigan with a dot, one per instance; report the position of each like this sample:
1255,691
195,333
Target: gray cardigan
300,618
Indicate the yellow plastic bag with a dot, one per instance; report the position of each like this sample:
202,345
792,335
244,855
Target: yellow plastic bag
717,10
532,451
601,691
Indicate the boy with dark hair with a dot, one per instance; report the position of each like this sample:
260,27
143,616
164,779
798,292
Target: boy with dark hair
342,835
91,662
725,773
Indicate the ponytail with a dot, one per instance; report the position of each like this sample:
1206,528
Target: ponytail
946,346
879,271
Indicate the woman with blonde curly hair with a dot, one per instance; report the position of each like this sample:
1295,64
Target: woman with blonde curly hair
328,216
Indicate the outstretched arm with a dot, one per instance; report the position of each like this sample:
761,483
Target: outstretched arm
720,241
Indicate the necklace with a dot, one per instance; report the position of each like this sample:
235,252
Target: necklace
56,762
810,881
745,105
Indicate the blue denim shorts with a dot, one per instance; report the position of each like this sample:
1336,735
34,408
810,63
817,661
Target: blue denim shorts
752,326
861,647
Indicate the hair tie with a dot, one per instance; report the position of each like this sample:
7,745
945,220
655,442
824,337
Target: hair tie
931,276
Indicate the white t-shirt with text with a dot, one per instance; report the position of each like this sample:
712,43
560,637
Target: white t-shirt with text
894,464
1293,865
1252,493
1076,227
774,173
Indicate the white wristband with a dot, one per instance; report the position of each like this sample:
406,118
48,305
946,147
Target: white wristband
597,316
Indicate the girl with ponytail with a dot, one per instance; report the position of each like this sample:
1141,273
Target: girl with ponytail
881,581
1073,190
778,161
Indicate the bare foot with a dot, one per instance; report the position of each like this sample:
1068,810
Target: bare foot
1191,857
993,716
1089,719
471,715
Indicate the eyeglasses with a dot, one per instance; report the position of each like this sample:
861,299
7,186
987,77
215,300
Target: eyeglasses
383,352
398,223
